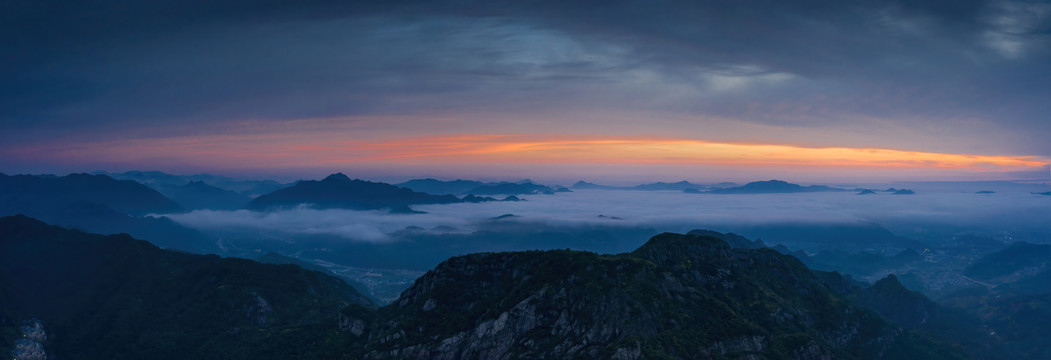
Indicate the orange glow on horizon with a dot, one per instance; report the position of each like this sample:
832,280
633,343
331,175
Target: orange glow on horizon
333,150
651,150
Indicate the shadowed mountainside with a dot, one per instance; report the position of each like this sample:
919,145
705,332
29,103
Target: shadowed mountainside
677,296
122,195
105,296
160,180
196,195
100,204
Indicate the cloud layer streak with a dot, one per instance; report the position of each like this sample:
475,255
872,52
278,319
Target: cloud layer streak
320,150
1012,212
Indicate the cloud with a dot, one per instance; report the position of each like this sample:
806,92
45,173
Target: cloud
1011,211
936,76
367,226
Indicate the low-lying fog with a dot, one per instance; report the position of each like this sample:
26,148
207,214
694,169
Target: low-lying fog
606,221
1006,214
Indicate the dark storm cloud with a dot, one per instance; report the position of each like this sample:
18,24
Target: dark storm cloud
107,64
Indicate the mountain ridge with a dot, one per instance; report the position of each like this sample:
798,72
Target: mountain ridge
103,296
339,191
677,296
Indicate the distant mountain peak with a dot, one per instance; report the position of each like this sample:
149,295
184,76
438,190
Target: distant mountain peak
773,186
196,184
338,191
336,177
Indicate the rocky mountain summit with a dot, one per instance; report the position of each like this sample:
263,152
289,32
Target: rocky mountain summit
677,296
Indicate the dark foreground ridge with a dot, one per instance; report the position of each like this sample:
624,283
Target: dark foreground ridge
676,297
118,297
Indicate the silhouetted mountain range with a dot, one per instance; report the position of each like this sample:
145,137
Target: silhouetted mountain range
773,187
121,195
438,187
508,188
676,186
99,204
197,195
160,180
470,187
339,191
1012,297
851,237
1018,257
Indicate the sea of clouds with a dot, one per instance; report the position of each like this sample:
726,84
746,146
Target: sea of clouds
1010,210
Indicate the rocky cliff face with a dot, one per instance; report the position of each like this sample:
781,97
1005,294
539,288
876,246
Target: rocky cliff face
678,296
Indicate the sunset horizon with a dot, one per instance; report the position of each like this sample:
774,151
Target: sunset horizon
546,179
510,156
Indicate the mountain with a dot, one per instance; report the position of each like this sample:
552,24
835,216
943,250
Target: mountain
159,180
278,259
676,297
97,203
903,192
584,185
773,187
735,241
432,186
657,186
1018,322
1017,258
115,296
676,186
1017,311
339,191
98,218
161,231
511,189
894,302
928,320
121,195
862,264
477,199
196,195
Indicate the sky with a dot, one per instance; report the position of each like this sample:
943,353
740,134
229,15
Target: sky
628,90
